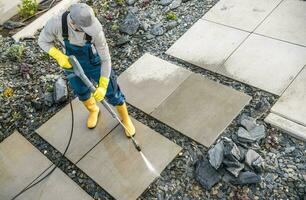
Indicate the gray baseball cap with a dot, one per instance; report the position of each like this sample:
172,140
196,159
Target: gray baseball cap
83,16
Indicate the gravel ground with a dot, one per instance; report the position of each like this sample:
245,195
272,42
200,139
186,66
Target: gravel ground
28,108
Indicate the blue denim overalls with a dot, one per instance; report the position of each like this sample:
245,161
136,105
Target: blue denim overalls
91,64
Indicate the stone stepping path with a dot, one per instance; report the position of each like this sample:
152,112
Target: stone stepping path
227,45
57,130
286,23
265,63
244,15
291,106
207,44
201,109
149,81
56,186
119,168
20,164
197,107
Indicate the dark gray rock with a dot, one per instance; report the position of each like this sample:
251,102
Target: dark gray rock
60,91
234,167
12,25
254,160
205,174
216,155
170,25
48,99
123,40
130,2
157,30
37,104
165,2
175,4
130,25
244,135
247,122
245,178
258,132
231,151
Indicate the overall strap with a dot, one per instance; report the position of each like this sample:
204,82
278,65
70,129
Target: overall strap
65,25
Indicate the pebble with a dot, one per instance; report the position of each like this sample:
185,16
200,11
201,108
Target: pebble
157,30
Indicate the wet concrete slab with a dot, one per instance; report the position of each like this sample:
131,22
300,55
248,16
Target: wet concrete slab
287,22
291,104
201,109
149,81
20,164
265,63
207,44
56,130
57,186
245,15
119,168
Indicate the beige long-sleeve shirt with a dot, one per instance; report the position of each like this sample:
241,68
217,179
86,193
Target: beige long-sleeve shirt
53,31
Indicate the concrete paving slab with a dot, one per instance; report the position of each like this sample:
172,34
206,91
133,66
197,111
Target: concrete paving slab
56,186
207,44
287,22
57,130
149,81
268,64
119,168
288,126
201,109
245,15
30,29
291,104
20,164
9,8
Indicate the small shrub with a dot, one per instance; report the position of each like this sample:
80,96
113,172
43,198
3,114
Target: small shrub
28,8
171,16
8,92
15,52
120,2
115,27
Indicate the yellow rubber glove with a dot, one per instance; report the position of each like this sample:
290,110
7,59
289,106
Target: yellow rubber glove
62,59
100,92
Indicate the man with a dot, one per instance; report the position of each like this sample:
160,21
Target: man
81,34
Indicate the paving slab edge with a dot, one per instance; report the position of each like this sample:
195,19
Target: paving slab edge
296,130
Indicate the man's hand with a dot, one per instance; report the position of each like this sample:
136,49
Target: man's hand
62,59
100,92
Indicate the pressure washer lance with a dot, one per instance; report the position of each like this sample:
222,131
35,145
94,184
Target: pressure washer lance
79,72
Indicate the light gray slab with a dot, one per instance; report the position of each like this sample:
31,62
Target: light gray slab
265,63
120,169
57,186
292,103
57,130
288,126
9,8
201,109
242,14
20,164
207,44
287,22
149,81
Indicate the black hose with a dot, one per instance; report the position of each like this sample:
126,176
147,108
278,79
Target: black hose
32,184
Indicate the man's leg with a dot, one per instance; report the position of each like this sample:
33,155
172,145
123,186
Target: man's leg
84,95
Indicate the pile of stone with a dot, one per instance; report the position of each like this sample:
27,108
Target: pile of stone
234,160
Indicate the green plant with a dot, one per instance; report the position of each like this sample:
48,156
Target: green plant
28,8
15,52
171,16
105,6
8,92
115,27
120,2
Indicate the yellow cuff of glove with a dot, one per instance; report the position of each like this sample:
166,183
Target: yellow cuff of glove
62,59
100,92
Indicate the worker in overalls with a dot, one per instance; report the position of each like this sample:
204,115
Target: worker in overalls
80,32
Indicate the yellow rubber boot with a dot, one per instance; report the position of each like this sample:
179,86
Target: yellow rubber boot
126,120
94,111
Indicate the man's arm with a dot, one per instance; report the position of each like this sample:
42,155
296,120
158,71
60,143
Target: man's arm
103,51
